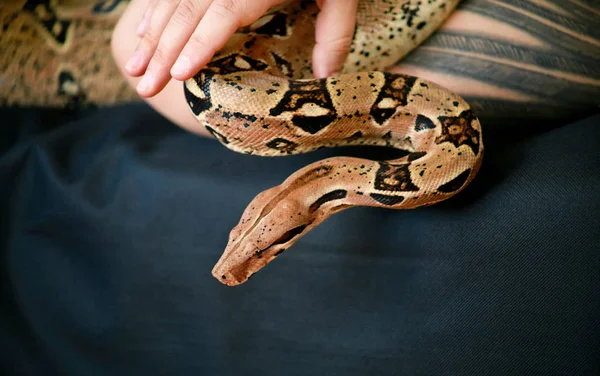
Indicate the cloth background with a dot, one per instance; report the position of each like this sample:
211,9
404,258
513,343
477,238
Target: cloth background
111,221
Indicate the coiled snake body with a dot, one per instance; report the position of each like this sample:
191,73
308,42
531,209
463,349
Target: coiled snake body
257,96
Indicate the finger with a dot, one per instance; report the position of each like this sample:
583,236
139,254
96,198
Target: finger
174,37
334,31
221,20
161,14
146,19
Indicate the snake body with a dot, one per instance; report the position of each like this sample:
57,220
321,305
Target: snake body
257,96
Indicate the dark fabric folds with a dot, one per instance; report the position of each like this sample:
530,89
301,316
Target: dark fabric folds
111,221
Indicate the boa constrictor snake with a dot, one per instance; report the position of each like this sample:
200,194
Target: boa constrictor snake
257,96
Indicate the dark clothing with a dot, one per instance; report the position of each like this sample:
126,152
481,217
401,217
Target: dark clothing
111,221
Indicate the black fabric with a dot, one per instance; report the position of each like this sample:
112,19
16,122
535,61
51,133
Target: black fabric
111,221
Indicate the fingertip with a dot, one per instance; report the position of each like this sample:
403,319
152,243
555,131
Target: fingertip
143,25
145,87
193,59
326,73
319,68
333,35
181,69
329,71
140,30
319,73
326,62
134,64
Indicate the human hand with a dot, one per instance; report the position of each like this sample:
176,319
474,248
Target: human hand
179,37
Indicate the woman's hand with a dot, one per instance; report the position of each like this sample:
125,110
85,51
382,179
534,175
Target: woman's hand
179,37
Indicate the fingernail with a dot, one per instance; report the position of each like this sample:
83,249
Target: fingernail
336,74
134,62
146,82
181,66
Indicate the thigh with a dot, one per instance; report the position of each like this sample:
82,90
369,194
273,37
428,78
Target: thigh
170,102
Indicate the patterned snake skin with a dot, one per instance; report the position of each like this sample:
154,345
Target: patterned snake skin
257,97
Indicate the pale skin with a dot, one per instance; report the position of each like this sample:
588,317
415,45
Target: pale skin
482,52
178,37
175,38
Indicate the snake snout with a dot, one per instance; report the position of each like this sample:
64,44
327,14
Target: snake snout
229,278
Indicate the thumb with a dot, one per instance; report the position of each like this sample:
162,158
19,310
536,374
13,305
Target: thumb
334,31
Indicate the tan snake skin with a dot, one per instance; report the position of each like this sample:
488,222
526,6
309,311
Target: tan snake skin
56,53
257,97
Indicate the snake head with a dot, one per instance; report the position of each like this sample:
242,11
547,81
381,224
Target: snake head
270,224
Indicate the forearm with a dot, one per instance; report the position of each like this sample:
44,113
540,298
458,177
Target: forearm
516,58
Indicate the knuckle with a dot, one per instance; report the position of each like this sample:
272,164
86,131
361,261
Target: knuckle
340,44
200,39
186,12
150,38
160,56
226,8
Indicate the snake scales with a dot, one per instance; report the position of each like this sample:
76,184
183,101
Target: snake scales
56,53
257,97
